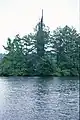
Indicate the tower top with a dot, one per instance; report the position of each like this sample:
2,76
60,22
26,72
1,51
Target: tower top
42,16
42,12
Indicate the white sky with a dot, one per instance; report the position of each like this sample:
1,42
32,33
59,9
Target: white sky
21,16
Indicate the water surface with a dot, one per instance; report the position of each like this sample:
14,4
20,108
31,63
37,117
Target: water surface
35,98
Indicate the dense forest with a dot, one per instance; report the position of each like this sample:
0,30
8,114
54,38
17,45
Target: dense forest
42,52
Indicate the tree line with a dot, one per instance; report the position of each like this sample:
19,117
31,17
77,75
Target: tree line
43,52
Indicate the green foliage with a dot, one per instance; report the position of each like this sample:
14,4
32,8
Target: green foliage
44,66
43,53
57,72
65,72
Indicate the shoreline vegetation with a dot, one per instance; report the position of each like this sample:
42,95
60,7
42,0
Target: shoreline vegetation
43,53
43,76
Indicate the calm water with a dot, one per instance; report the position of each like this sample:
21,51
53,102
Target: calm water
34,98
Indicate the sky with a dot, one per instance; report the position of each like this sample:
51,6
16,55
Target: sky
21,16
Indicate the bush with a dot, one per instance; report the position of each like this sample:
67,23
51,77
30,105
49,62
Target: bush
65,72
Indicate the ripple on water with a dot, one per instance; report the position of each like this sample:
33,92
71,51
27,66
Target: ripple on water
24,98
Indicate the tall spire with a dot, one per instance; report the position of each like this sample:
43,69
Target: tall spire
42,17
40,38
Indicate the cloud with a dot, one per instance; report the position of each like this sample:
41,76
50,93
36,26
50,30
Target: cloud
21,16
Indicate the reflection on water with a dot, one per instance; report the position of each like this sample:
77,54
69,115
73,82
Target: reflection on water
35,98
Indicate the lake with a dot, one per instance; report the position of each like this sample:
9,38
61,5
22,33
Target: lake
39,98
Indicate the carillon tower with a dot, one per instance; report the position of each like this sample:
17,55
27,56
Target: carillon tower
40,38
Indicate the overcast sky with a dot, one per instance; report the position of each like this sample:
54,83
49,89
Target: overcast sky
21,16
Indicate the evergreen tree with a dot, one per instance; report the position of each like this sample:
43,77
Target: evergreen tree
43,53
